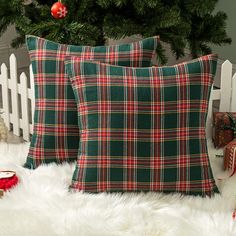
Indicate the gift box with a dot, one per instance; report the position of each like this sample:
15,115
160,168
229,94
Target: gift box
224,128
230,157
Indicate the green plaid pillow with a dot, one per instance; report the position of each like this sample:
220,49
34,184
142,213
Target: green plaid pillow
55,137
143,129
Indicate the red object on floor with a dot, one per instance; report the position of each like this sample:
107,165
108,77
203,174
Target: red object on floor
234,215
6,182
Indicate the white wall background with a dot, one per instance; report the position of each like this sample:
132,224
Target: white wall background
229,51
6,50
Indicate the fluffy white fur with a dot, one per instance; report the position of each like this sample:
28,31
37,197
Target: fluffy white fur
42,206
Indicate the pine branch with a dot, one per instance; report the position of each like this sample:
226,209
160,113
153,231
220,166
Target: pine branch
117,27
161,57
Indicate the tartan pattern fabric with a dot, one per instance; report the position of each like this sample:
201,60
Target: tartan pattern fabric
143,129
55,137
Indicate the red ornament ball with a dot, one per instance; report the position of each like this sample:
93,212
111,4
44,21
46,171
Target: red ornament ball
59,10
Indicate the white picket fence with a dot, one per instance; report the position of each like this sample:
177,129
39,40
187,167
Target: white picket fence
16,107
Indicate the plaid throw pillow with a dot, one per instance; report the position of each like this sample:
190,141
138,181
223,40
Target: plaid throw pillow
143,129
55,137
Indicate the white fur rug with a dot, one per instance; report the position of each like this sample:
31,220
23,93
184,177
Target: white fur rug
42,206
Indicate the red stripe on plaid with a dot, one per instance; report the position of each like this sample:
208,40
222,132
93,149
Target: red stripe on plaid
52,105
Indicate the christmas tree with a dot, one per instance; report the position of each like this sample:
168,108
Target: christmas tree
180,23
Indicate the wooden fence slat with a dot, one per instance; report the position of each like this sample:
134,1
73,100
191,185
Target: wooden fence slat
226,77
233,98
32,95
14,95
5,98
209,115
25,107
